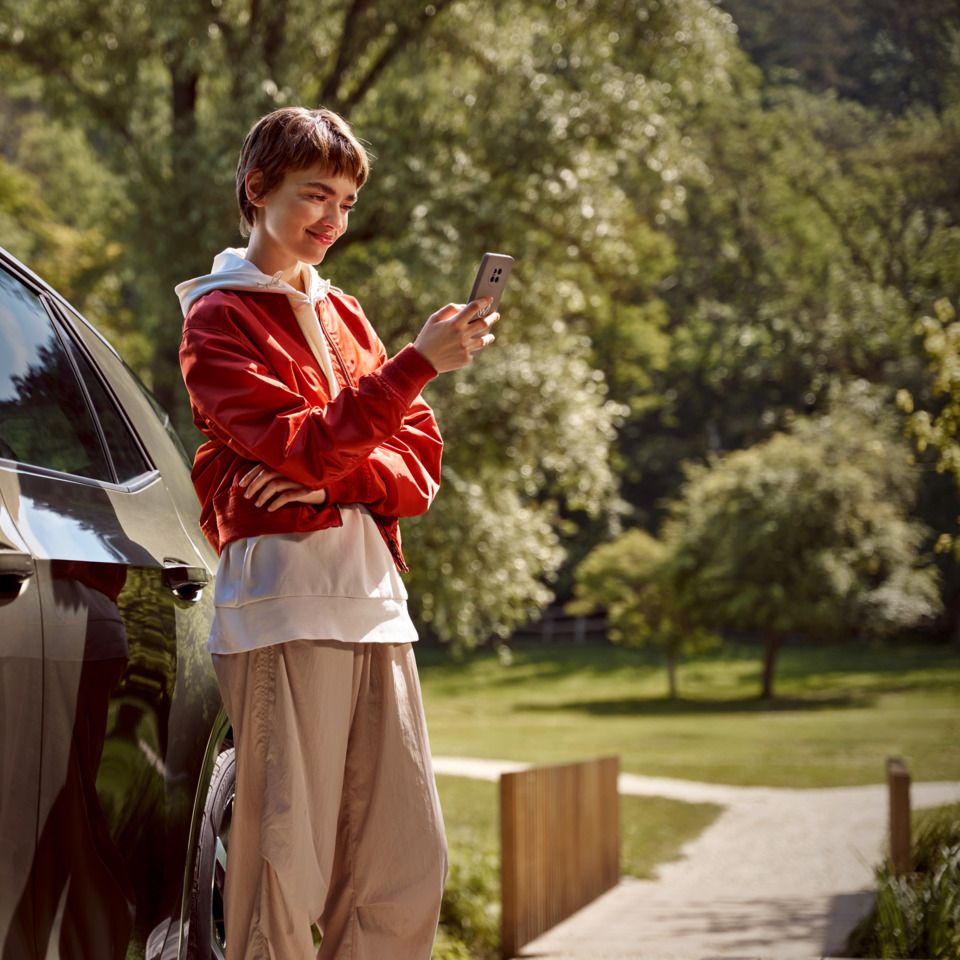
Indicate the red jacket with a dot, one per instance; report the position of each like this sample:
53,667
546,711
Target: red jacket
258,395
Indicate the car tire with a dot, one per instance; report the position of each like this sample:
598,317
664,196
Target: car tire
207,936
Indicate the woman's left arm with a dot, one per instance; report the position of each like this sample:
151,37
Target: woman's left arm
399,478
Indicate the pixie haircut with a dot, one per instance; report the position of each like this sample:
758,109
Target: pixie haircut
295,138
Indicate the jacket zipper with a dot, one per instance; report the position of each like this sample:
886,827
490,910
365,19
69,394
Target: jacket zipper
335,348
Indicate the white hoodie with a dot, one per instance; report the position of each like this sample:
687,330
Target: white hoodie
233,271
339,583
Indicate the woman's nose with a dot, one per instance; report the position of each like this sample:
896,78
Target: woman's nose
333,215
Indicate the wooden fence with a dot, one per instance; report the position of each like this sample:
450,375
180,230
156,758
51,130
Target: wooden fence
559,844
556,626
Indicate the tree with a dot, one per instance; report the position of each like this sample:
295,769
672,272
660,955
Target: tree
815,236
807,532
941,430
885,53
629,579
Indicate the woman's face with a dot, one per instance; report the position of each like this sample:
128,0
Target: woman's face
301,218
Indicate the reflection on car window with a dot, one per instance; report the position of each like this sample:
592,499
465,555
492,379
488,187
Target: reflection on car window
44,419
115,368
128,461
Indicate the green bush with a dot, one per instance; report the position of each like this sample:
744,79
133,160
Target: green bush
470,912
448,947
918,915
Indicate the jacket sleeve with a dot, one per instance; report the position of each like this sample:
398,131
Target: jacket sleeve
245,406
401,476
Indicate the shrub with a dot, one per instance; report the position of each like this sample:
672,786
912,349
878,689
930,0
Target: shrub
470,912
918,915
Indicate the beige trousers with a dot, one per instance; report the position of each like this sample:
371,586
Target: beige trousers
336,818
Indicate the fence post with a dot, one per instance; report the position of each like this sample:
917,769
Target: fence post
898,785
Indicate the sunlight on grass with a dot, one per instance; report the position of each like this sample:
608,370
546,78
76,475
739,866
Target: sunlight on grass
840,711
652,829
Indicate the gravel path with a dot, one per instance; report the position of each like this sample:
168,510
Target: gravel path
781,874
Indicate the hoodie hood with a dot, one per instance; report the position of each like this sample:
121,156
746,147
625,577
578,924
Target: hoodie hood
233,271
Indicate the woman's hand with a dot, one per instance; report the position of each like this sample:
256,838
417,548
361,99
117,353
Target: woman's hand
269,486
454,334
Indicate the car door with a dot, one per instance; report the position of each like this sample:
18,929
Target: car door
21,700
195,708
115,574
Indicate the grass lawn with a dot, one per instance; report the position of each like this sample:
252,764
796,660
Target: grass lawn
840,711
652,828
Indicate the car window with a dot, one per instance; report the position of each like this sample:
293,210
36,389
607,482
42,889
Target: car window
122,379
44,417
128,459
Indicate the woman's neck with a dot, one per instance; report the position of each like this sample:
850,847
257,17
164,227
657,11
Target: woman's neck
260,258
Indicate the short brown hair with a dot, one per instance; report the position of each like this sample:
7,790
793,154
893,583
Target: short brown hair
295,138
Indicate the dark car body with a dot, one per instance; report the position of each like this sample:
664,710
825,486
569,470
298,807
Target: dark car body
110,716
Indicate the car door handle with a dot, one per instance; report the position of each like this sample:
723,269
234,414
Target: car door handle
15,570
185,582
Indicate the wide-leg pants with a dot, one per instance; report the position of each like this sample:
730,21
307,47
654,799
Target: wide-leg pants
336,819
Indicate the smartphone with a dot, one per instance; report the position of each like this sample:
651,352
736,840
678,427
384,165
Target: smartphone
491,279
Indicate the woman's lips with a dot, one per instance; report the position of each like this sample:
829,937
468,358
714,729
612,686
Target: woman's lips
324,238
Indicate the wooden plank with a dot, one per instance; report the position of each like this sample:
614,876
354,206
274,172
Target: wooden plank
509,856
560,844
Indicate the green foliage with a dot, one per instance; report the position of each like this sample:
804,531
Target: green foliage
808,532
814,236
470,912
881,52
57,204
940,430
918,915
629,578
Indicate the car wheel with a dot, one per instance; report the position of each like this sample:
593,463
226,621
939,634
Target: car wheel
207,931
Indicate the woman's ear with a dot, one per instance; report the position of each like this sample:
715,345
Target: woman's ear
253,184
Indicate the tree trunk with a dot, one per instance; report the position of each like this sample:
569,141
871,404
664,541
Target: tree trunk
181,228
672,675
771,642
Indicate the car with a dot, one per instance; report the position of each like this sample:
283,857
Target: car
116,762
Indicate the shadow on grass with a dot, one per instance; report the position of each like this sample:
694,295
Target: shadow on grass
682,706
866,669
